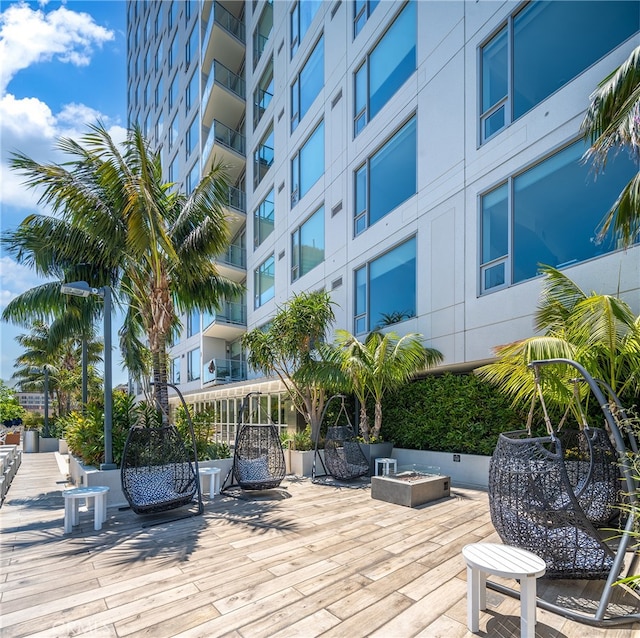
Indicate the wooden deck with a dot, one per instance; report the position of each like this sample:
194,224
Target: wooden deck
323,561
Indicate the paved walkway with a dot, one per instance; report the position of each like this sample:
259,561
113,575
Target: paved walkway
321,561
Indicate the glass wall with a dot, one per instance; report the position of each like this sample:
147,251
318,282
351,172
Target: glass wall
542,48
194,364
264,281
551,214
385,289
308,84
307,245
263,157
264,219
386,69
394,163
307,165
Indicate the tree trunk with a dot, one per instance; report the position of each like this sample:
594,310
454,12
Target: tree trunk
377,424
161,391
364,422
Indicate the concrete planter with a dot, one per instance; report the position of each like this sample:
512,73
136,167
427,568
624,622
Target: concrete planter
63,448
49,444
300,463
90,476
465,470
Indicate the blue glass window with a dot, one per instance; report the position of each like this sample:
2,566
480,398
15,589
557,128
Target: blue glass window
552,211
192,136
263,93
545,46
264,281
175,370
308,84
191,93
193,323
362,9
193,178
394,163
302,16
262,32
308,164
307,245
194,364
385,289
387,67
263,157
264,219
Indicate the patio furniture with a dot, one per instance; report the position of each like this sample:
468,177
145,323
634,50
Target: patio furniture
535,506
344,460
72,500
386,465
507,562
258,457
214,479
159,471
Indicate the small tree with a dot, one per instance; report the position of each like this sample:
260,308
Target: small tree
381,363
289,344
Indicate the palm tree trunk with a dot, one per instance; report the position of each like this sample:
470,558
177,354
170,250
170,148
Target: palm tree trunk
377,424
364,422
160,382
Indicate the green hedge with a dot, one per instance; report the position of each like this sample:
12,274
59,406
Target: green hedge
448,413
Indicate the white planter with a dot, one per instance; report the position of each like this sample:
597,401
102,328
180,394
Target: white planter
89,476
62,446
301,463
465,470
48,445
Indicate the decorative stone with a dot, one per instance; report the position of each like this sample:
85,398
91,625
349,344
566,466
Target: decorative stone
410,488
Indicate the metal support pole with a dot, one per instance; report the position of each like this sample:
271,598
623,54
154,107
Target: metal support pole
85,367
108,402
45,430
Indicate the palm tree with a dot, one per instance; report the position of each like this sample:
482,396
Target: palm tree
612,122
116,219
598,331
383,362
62,362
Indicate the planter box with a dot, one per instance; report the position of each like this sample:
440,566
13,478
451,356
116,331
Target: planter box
465,470
412,492
62,446
12,438
48,445
31,442
300,463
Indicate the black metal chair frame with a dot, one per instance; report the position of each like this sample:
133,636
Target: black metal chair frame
258,456
344,459
152,486
565,515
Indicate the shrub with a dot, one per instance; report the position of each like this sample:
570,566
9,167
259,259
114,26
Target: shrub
449,413
85,432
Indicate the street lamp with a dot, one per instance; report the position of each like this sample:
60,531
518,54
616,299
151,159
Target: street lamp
83,289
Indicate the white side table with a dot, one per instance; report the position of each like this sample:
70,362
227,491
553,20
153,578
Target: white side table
386,466
508,562
214,479
72,500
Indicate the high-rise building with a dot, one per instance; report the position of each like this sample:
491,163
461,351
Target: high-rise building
418,159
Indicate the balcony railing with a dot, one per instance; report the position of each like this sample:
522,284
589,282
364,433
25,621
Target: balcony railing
236,255
262,101
224,371
237,199
232,312
224,77
227,21
220,133
259,45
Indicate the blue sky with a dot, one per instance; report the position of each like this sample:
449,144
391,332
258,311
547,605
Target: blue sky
63,67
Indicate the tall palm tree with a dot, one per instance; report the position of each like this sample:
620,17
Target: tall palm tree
115,217
612,122
598,331
383,362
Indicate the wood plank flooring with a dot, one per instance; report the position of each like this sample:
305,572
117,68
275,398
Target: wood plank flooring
321,560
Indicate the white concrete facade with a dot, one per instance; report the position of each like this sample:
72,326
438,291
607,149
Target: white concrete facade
453,168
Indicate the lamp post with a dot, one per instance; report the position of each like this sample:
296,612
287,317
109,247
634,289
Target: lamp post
45,372
82,289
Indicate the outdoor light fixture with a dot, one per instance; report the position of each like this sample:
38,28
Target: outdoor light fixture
83,289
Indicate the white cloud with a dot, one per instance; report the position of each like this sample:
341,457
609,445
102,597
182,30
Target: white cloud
28,37
15,279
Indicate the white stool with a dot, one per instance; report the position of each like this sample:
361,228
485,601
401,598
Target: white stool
386,466
71,503
214,479
508,562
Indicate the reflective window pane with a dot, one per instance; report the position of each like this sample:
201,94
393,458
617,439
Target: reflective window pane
312,160
495,224
494,70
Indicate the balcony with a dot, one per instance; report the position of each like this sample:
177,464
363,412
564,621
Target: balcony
262,161
223,95
227,146
224,38
228,324
236,211
262,99
233,264
224,371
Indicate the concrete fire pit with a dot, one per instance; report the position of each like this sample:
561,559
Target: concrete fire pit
410,488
